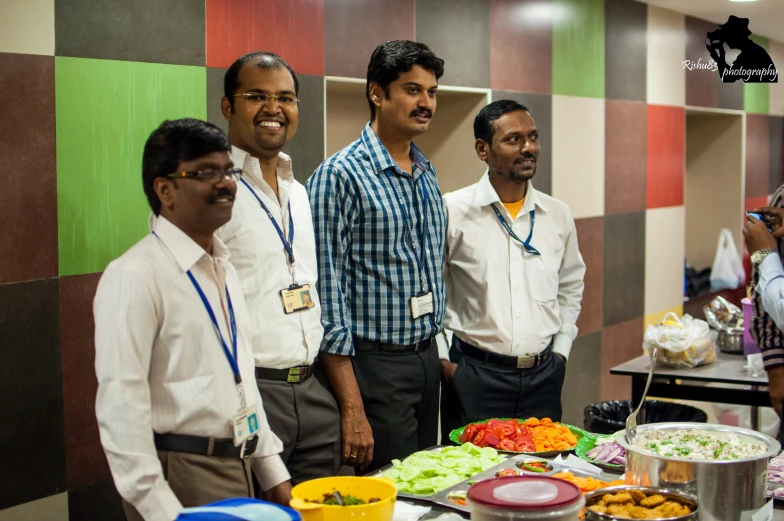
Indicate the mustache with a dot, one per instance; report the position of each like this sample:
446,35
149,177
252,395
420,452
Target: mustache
526,156
422,112
223,192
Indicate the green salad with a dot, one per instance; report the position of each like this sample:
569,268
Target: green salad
427,472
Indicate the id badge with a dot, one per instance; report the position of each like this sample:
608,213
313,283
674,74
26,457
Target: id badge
244,424
296,298
422,304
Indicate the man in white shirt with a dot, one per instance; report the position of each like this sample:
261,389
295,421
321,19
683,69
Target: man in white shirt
180,418
272,245
763,247
514,279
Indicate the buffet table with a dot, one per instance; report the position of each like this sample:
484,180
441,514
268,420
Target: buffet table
437,510
689,384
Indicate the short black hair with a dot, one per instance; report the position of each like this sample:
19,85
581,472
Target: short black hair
174,142
395,57
484,122
262,60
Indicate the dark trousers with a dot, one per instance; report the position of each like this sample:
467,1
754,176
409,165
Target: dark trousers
482,390
306,418
400,393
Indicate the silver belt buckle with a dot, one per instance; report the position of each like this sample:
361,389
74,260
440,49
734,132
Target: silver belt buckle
526,362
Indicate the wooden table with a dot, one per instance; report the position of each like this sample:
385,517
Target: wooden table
689,384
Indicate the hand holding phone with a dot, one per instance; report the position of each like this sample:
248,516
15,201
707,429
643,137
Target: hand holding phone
762,218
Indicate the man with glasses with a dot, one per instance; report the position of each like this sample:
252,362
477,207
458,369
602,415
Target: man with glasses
270,237
380,234
514,279
180,418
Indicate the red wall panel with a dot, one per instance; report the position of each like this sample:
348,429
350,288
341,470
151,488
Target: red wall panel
293,29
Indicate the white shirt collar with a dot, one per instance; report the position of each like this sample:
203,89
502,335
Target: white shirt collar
486,195
184,249
251,167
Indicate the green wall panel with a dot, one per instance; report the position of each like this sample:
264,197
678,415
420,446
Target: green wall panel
756,96
105,112
578,48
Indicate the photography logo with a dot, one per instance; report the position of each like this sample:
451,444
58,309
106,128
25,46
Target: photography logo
753,64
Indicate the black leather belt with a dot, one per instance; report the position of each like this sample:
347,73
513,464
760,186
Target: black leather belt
360,344
221,448
517,362
292,375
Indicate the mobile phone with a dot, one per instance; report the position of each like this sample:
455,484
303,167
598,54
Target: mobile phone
762,218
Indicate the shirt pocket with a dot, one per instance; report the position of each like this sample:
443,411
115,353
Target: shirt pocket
545,287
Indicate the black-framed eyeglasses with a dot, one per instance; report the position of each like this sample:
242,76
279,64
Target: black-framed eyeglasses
211,174
257,98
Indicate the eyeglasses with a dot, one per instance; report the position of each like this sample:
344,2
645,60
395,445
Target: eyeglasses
211,175
255,98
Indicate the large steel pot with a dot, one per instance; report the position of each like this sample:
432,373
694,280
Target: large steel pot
726,490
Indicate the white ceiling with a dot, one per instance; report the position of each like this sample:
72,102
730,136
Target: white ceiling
766,17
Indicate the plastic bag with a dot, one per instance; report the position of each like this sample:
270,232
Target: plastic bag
727,271
682,342
610,417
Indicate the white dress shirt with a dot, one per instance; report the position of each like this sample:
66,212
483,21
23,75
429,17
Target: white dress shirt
499,297
161,367
279,340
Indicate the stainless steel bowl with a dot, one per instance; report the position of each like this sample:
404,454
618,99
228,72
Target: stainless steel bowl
673,495
728,489
730,341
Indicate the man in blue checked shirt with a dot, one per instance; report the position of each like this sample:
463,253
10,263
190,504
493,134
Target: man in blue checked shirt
380,226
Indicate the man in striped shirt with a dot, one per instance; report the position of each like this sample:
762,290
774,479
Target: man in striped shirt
766,333
380,226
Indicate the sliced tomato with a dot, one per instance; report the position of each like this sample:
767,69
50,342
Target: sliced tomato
479,438
522,430
506,473
506,444
524,444
491,439
468,433
507,428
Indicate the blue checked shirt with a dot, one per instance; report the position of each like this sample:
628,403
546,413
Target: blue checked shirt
368,267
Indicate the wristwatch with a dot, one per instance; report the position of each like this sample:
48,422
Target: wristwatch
758,256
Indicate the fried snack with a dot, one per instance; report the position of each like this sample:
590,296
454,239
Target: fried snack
653,501
637,496
621,510
635,504
620,498
641,513
672,509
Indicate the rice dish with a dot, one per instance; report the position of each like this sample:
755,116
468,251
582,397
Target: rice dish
694,444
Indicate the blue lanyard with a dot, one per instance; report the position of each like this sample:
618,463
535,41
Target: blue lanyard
287,243
526,243
235,369
232,360
410,223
